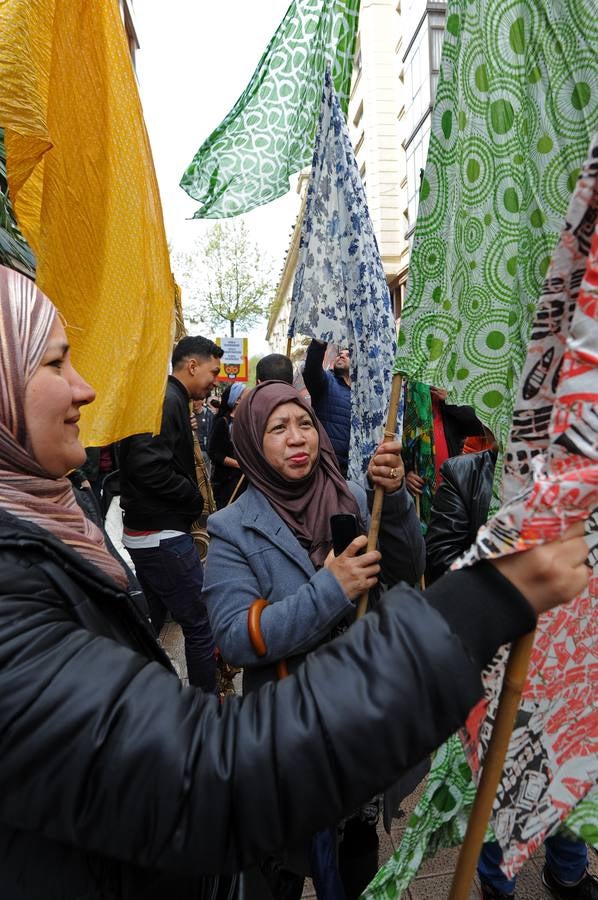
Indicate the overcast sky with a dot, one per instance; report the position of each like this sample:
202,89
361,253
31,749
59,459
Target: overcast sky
196,58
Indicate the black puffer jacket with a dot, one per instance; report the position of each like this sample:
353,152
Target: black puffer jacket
158,483
460,506
117,783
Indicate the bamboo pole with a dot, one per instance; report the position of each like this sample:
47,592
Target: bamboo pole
236,490
514,681
422,577
389,434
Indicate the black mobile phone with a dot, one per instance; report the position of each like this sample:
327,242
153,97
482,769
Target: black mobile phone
343,527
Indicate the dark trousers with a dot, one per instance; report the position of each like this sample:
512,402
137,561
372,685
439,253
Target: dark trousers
172,575
566,859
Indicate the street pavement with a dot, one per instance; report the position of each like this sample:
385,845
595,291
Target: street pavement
435,876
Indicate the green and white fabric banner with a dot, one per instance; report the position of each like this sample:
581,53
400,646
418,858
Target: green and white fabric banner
440,820
269,133
515,110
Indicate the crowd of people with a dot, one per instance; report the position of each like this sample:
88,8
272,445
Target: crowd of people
119,782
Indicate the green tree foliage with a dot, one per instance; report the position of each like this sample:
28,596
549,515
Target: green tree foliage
252,363
14,249
225,278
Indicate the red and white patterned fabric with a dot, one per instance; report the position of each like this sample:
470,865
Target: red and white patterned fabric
551,481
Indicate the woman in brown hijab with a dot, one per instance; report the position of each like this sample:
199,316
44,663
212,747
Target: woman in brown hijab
275,541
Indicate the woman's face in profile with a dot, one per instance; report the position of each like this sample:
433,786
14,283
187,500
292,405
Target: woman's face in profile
291,442
53,397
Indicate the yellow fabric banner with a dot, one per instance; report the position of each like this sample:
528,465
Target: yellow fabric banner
83,186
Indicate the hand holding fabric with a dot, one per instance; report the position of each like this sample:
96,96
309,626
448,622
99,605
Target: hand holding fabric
549,574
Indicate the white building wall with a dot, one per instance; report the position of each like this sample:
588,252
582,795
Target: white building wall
422,25
373,125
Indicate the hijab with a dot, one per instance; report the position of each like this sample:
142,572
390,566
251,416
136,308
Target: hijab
306,504
236,389
26,490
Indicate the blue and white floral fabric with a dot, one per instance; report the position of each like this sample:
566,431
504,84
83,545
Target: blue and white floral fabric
340,292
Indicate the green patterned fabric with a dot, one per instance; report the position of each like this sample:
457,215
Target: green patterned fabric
515,110
440,820
418,443
269,133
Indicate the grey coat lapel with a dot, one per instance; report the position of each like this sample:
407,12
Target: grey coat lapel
259,516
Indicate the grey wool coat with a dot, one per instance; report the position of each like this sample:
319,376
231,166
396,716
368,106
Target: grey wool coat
253,553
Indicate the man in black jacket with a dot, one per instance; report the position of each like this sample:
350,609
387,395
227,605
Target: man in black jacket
161,500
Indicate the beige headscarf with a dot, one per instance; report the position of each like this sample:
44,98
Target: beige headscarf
26,490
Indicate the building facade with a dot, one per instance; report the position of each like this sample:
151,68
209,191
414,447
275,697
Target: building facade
423,29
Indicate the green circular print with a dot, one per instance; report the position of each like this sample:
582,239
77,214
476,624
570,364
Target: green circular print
449,122
433,337
516,110
487,393
432,252
475,304
511,29
561,174
509,197
473,234
475,77
573,95
503,112
501,268
582,14
559,44
486,343
477,169
432,208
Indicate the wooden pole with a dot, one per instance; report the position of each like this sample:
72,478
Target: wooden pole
236,490
510,698
422,577
293,254
389,434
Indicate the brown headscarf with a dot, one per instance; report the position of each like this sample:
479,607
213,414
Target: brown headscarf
306,504
26,490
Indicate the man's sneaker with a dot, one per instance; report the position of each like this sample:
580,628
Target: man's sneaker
586,889
489,892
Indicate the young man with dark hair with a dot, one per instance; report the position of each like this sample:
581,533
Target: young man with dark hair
161,500
201,348
274,367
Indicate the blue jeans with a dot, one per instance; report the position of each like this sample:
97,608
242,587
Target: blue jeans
567,861
172,574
